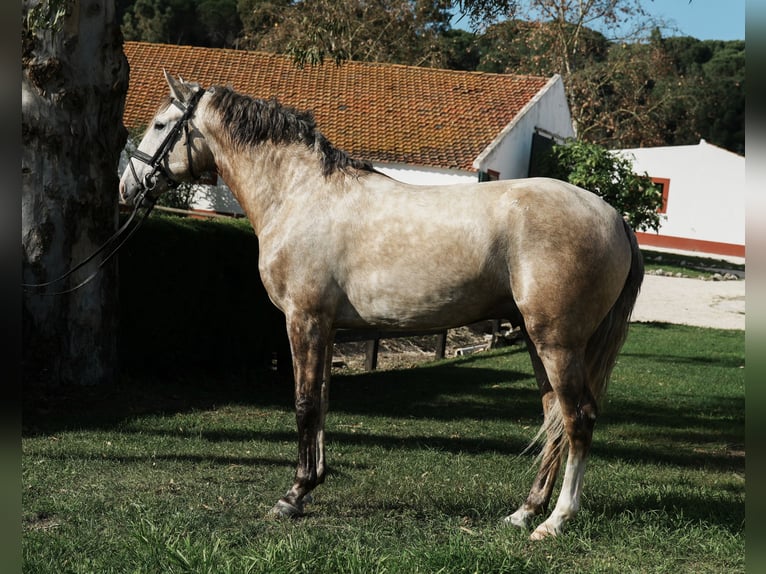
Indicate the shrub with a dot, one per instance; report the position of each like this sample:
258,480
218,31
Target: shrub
609,176
191,296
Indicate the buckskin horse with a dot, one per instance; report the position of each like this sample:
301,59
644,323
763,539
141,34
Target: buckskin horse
344,246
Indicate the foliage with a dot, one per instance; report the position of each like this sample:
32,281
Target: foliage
46,15
609,176
627,87
520,46
176,474
459,50
181,197
404,31
619,102
566,27
213,23
258,18
709,80
482,12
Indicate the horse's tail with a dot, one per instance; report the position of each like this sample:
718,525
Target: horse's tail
603,346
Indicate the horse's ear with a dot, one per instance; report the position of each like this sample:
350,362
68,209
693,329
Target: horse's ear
178,88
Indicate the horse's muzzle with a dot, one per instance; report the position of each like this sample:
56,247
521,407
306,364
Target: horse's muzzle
134,193
123,199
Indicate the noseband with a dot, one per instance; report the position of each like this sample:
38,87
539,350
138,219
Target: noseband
155,162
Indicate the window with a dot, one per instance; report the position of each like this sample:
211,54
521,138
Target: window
542,142
664,184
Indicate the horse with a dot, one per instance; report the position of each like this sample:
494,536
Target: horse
343,246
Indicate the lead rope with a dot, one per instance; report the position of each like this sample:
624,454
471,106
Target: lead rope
33,288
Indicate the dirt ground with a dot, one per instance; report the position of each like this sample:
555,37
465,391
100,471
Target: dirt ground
406,353
677,300
685,301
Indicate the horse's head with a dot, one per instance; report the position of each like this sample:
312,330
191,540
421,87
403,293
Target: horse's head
172,151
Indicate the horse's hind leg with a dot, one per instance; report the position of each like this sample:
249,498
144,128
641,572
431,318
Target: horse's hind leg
550,460
309,341
566,373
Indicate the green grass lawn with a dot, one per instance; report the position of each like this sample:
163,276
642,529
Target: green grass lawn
178,475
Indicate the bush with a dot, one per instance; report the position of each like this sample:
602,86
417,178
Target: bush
191,297
609,176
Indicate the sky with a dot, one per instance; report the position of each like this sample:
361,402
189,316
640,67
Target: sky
701,19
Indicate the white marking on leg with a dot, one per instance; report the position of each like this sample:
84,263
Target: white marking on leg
568,502
521,518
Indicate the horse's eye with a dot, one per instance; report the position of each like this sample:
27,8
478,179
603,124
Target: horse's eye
159,126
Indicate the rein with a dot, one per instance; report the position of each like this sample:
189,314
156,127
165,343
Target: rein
142,200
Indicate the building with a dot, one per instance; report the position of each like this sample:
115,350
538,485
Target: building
418,125
703,188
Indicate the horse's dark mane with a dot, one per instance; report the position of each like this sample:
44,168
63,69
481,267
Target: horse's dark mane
253,121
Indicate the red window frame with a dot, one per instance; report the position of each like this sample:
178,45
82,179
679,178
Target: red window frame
664,184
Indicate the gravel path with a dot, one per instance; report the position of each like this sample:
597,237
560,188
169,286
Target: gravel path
685,301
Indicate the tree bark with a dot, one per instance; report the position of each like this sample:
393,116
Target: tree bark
74,81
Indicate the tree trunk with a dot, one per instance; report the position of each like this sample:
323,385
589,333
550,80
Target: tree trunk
74,80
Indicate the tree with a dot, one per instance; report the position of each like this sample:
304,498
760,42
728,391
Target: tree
149,21
213,23
74,80
525,47
258,17
624,100
598,48
569,23
460,50
709,83
609,176
220,22
481,13
401,31
627,86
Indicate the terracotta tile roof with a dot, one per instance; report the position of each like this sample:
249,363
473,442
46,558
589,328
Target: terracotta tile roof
379,112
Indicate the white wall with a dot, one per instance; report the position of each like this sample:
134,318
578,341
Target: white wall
419,175
706,194
216,198
509,153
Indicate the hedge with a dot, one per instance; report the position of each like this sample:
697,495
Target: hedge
191,297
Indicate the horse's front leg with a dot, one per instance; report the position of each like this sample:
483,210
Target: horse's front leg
311,345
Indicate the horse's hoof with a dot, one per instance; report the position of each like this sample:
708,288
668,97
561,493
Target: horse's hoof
542,532
520,519
283,509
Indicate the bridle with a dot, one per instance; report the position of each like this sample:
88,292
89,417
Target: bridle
143,198
156,161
